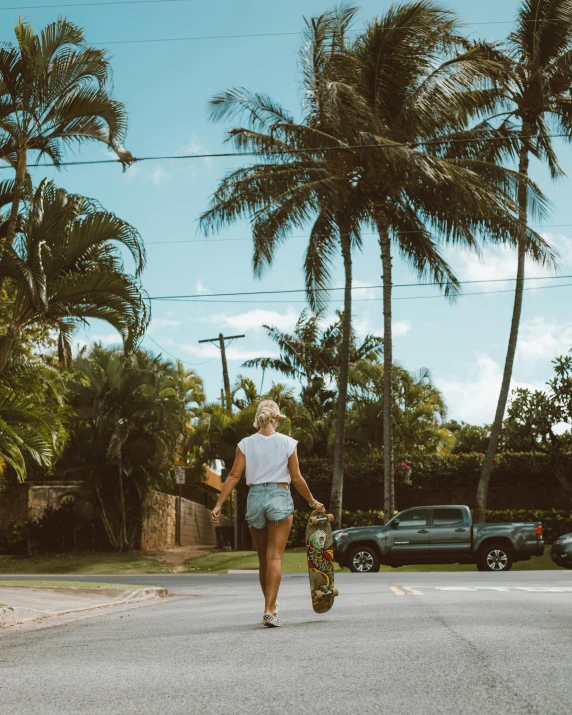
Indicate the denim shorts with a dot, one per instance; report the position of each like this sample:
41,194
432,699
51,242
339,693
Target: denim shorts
268,502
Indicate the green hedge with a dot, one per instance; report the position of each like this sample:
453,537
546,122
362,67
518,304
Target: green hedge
554,523
511,469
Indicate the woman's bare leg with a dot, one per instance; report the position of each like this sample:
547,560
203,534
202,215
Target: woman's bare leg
260,538
277,538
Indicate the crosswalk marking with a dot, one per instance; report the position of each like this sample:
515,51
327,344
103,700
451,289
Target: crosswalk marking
396,591
410,591
407,591
507,589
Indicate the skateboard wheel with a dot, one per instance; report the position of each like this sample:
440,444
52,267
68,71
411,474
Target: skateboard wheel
335,591
331,518
318,595
313,521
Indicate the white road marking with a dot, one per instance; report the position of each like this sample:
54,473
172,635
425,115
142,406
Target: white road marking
396,591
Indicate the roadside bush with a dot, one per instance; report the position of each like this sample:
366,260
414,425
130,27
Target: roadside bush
554,523
15,539
519,480
530,469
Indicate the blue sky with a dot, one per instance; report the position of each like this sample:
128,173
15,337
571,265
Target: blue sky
166,86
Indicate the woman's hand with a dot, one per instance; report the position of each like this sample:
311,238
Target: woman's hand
318,508
215,513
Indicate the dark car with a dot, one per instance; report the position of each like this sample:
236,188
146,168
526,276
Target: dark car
561,551
437,535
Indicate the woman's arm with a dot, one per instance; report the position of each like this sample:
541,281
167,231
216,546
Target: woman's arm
300,483
230,483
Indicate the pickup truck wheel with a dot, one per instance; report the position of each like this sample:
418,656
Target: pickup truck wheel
363,559
495,557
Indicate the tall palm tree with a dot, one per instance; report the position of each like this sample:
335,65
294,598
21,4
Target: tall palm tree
311,355
384,97
409,84
534,101
67,267
54,92
284,192
30,427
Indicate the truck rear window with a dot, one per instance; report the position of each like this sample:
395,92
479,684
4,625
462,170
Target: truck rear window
446,517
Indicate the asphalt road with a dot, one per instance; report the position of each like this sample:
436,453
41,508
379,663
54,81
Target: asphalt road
425,643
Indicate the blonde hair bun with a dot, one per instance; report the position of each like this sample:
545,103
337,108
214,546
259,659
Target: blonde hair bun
266,411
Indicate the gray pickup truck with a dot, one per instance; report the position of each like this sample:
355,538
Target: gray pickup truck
437,535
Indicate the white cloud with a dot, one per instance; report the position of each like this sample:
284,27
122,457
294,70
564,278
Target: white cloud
146,173
364,326
499,262
196,146
474,399
108,339
208,350
158,323
540,338
255,319
159,175
200,288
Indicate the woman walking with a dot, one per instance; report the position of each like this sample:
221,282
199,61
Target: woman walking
271,463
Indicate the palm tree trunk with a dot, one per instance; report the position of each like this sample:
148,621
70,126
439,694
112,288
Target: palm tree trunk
388,475
338,476
105,519
486,469
16,198
123,526
7,344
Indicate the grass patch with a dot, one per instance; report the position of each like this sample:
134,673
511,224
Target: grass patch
295,562
71,584
221,562
132,562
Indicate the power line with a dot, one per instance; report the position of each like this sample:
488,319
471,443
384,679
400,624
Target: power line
367,287
286,152
365,300
191,364
92,4
207,241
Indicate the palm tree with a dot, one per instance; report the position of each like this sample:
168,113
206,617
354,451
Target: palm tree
128,421
383,97
67,267
54,92
285,192
30,416
409,84
419,410
533,100
311,355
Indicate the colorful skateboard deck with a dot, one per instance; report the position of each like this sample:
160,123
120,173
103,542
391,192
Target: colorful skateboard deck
320,552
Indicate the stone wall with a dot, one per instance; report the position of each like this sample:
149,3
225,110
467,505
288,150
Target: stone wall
159,528
28,500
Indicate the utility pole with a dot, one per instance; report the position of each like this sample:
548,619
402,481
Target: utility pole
221,340
238,502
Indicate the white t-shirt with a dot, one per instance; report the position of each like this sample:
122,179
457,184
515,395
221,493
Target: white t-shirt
267,457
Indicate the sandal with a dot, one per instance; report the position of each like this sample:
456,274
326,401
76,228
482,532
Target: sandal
270,620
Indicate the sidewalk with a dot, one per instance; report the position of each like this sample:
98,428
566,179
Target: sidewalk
27,603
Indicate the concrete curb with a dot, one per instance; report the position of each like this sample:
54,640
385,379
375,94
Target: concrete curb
12,615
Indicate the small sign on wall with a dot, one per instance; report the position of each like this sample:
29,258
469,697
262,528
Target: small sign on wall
180,475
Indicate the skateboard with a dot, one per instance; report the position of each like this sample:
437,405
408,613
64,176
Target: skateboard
320,552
